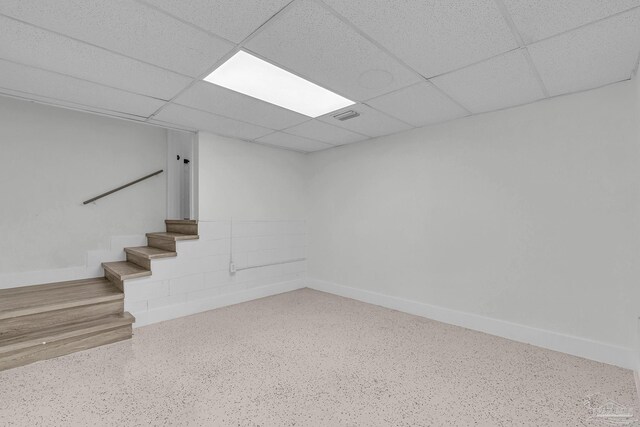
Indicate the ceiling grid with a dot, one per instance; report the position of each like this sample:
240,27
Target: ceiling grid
406,63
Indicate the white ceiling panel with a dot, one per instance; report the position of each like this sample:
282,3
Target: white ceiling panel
126,27
231,19
419,105
539,19
218,100
293,142
127,57
200,120
309,40
370,122
591,56
432,36
320,131
28,80
32,46
504,81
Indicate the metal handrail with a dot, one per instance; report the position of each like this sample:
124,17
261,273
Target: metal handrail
123,186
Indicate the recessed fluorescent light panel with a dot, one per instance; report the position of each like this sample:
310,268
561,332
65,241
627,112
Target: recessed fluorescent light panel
252,76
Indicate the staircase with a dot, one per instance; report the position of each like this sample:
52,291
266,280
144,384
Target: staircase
46,321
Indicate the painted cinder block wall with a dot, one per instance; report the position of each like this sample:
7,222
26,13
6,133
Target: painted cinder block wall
199,279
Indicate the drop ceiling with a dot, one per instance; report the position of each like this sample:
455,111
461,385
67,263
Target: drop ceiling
406,63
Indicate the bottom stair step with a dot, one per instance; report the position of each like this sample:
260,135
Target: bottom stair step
24,325
65,339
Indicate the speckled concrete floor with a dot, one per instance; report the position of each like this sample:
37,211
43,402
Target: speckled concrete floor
309,358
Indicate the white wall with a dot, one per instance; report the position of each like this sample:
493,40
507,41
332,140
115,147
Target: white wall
247,181
180,190
636,80
52,160
528,215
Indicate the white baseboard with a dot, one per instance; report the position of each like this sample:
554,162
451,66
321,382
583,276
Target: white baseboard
636,375
194,307
581,347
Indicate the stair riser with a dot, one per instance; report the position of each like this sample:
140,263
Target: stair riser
15,326
167,245
138,260
62,347
115,280
182,228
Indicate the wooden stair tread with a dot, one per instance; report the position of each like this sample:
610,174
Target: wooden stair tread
63,332
149,252
181,221
125,270
173,236
56,296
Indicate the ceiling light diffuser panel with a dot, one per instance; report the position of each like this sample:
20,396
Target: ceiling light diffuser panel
259,79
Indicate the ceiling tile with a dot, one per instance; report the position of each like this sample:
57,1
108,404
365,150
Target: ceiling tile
433,37
126,27
419,105
200,120
539,19
231,19
324,132
218,100
370,122
32,46
504,81
28,80
293,142
309,40
591,56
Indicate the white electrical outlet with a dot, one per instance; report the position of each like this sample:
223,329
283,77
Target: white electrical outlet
232,268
